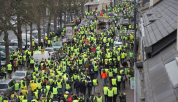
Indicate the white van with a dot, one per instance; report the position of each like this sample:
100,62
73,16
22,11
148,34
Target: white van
38,56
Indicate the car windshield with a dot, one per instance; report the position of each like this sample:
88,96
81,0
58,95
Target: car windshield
11,49
125,20
3,86
117,44
50,50
58,44
2,53
2,43
19,74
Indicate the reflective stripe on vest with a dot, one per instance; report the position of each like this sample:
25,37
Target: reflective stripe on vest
115,90
95,82
59,85
16,86
67,86
99,99
119,78
114,82
9,67
110,93
55,91
105,90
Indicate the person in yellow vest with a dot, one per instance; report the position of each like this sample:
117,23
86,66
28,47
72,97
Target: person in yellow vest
130,56
24,91
32,62
99,98
17,86
105,92
95,83
25,99
3,71
6,99
9,69
66,94
114,81
110,94
114,88
55,91
34,99
49,42
118,81
21,97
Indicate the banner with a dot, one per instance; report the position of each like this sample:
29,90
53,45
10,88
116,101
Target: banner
68,31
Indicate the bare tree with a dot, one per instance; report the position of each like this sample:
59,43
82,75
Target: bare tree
5,25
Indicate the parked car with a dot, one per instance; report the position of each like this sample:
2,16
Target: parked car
23,41
35,34
7,86
15,45
2,43
2,48
50,50
19,75
3,58
126,22
57,45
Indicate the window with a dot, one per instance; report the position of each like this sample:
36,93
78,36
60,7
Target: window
2,53
3,86
15,44
50,50
19,74
12,83
58,44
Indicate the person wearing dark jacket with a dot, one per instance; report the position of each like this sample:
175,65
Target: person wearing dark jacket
77,86
124,64
82,87
89,85
92,73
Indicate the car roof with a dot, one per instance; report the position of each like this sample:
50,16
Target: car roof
48,48
5,81
126,19
20,71
58,41
39,52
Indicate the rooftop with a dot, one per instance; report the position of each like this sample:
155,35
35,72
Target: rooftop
159,76
160,21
